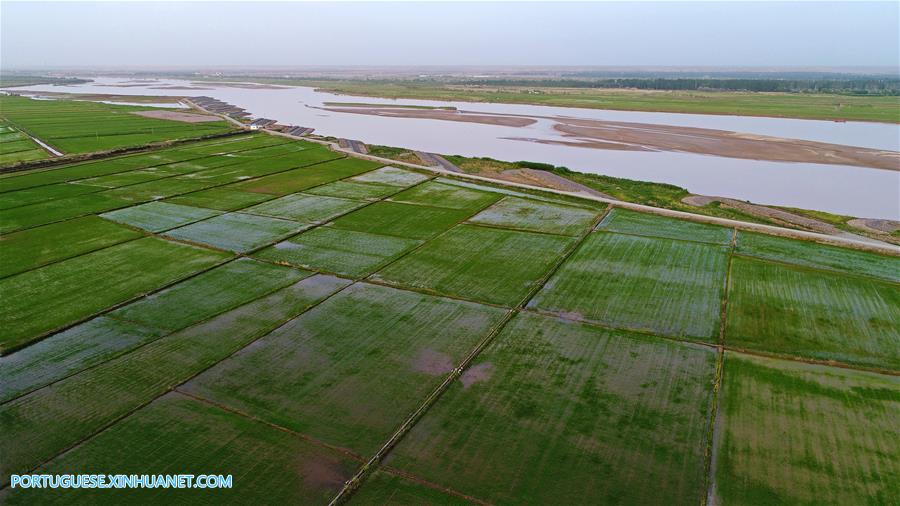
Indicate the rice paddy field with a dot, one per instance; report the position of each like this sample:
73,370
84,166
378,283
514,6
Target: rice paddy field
16,146
71,126
330,329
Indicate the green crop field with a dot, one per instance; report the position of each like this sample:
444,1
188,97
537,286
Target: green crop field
304,208
16,146
349,371
51,419
80,127
279,312
28,249
793,433
630,222
237,231
401,220
177,432
815,314
818,255
517,213
344,252
558,412
438,194
159,216
659,285
65,292
491,265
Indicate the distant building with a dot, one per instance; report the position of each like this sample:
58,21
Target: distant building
261,123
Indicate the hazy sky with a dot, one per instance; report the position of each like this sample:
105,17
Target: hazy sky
235,33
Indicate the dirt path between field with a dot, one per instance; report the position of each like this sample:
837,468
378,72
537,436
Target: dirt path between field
184,117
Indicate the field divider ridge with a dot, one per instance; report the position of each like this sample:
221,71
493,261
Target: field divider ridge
318,442
812,268
137,203
12,176
45,335
709,457
235,256
37,140
166,332
357,480
172,387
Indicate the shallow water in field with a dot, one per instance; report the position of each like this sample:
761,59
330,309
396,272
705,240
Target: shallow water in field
857,191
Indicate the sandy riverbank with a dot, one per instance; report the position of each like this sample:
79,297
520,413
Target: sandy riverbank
625,136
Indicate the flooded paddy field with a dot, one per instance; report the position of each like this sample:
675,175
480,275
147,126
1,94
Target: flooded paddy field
272,309
72,127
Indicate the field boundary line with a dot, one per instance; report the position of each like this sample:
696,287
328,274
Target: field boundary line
726,286
78,158
166,332
356,481
369,279
137,203
712,446
171,388
374,462
316,225
44,335
318,442
813,361
306,437
800,267
235,256
430,484
13,176
514,229
37,140
101,248
101,189
709,463
883,248
631,330
646,236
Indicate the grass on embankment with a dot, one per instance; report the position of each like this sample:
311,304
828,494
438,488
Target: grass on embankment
662,195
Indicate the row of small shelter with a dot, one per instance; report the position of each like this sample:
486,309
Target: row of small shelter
217,106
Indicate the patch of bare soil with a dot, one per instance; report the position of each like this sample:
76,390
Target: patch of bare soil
724,143
183,117
794,220
432,362
321,473
547,180
876,226
776,215
476,374
439,114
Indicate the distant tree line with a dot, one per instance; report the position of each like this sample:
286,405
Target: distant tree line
855,86
10,80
